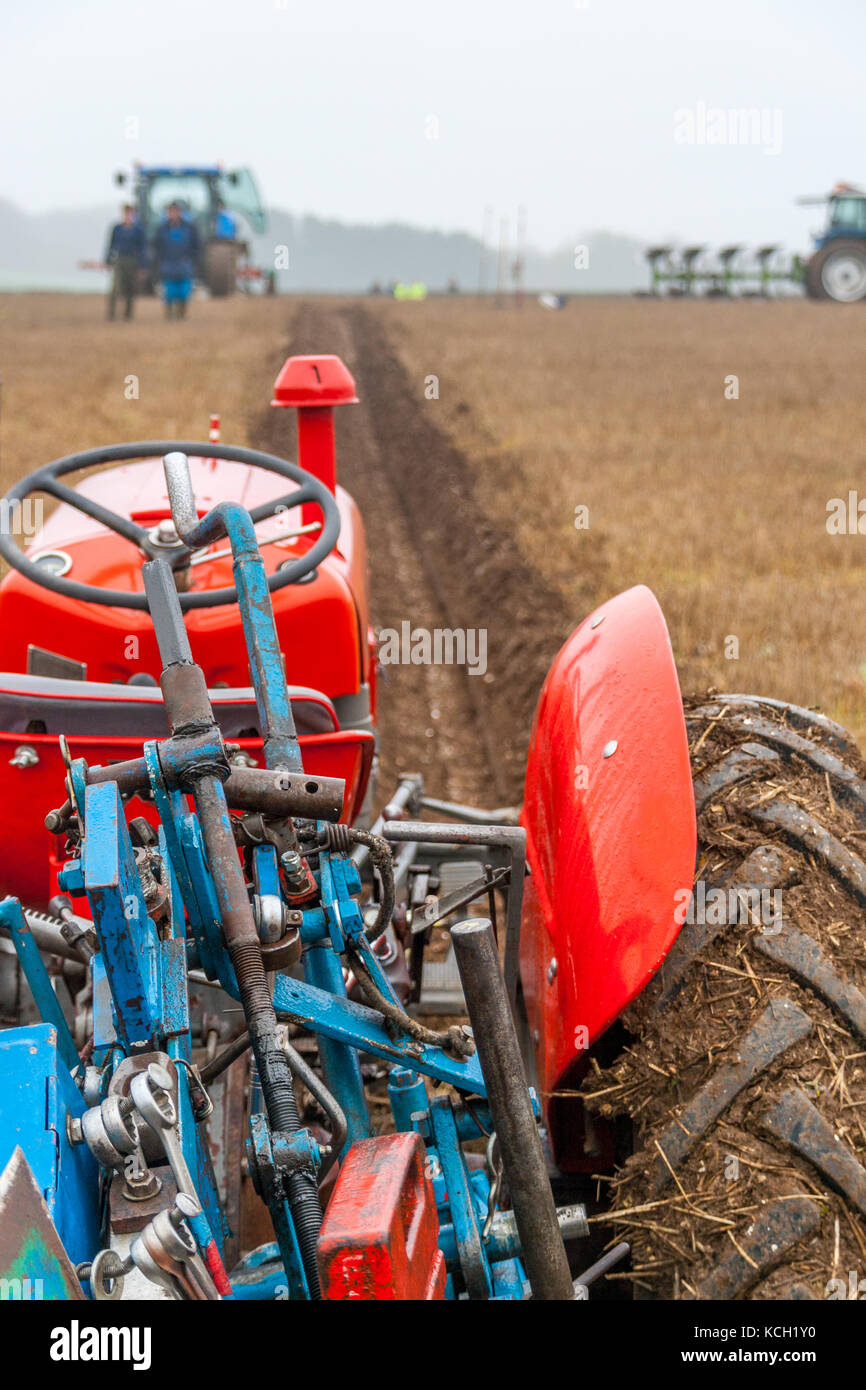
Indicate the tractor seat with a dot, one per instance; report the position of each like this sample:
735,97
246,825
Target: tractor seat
49,705
108,723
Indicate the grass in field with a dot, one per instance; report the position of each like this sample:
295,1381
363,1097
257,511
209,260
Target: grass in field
615,405
720,505
67,375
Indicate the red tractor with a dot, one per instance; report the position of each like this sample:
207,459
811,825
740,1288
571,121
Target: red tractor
684,1037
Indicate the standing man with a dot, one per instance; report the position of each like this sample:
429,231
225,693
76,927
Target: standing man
225,226
176,250
126,254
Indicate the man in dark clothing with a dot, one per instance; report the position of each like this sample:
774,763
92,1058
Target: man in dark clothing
126,253
176,249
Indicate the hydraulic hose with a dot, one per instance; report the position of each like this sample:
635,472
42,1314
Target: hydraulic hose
452,1039
223,1060
339,837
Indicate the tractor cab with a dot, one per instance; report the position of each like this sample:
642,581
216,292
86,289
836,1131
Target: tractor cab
846,213
200,190
78,653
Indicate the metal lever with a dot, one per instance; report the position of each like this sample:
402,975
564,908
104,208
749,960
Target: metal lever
277,724
181,497
171,634
595,1271
511,1109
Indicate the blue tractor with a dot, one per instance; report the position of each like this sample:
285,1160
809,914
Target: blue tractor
224,204
837,267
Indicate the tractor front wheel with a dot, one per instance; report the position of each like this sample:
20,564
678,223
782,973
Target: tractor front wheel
838,271
746,1074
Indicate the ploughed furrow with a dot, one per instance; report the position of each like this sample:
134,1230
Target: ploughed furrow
745,1076
427,722
437,562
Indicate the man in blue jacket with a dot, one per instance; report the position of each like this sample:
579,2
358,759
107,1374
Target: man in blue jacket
126,254
225,225
176,250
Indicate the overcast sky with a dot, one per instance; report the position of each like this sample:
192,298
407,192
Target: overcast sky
593,113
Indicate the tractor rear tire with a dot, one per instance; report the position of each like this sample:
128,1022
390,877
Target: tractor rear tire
838,271
746,1074
220,268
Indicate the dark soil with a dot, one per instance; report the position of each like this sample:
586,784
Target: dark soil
437,561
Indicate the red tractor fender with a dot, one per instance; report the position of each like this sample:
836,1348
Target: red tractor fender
610,821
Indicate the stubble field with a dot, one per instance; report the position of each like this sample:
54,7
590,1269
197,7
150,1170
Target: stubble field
482,436
626,408
604,445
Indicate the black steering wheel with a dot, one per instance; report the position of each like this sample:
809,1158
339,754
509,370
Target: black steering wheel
47,479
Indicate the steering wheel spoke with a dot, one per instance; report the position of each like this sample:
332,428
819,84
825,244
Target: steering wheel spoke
122,525
285,504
